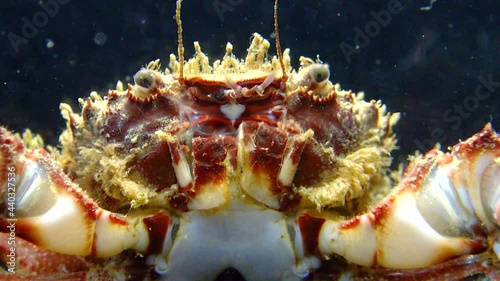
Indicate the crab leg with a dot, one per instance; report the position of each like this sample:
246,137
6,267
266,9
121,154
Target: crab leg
54,213
447,205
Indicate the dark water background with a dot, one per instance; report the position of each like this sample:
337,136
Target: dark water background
426,64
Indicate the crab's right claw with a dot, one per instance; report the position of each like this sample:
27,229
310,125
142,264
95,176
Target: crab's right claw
447,205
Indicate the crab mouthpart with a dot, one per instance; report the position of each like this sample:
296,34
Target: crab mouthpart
232,111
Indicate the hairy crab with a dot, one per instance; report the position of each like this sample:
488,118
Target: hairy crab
243,168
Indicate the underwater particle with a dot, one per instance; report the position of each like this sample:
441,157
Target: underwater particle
429,7
49,43
100,38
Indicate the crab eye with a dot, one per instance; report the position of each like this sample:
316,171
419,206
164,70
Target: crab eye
319,73
145,78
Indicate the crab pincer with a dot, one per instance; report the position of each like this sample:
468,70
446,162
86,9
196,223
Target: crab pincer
51,211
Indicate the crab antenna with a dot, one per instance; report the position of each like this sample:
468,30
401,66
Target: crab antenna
180,47
277,37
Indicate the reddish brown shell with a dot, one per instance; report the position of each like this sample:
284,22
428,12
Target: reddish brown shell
233,128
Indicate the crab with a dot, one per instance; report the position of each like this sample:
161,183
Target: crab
243,169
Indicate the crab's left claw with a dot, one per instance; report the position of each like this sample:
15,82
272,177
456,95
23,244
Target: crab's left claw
42,205
447,205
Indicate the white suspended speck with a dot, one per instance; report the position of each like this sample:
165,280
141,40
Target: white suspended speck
100,38
429,7
49,43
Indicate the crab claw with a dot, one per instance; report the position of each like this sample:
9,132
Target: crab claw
43,206
447,205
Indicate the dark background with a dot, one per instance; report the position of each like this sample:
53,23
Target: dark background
422,64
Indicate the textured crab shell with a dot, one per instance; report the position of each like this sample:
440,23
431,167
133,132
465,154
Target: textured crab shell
282,141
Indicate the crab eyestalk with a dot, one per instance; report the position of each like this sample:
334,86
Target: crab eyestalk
447,205
54,213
